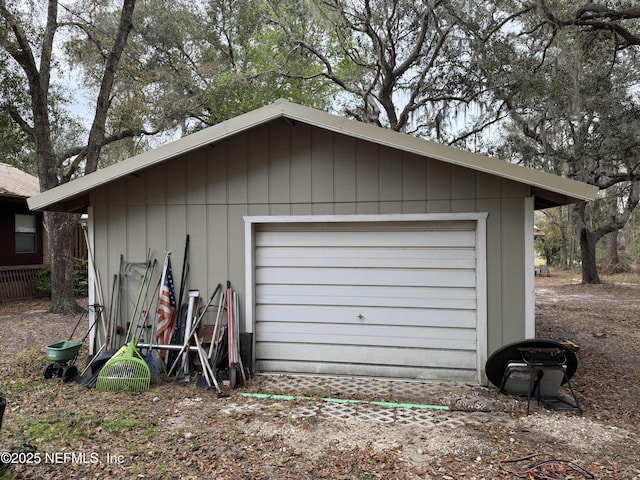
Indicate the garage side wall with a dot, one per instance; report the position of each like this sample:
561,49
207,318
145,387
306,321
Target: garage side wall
284,169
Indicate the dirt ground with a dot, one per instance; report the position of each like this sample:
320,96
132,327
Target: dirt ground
54,430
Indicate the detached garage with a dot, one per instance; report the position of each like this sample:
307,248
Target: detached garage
356,250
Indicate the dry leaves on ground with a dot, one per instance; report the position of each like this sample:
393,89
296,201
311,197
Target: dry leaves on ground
186,432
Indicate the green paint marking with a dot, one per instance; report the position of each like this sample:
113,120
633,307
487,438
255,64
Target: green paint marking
344,400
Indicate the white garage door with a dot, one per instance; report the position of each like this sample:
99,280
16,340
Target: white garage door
386,299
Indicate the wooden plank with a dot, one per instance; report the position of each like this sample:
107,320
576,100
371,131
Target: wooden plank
156,231
345,169
155,182
322,166
136,233
258,165
197,228
217,243
176,182
438,180
237,164
301,168
20,282
390,179
217,171
136,189
196,177
463,183
279,163
367,172
414,179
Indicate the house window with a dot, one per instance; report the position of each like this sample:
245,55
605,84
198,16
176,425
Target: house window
25,233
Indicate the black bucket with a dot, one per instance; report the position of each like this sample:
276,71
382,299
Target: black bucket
3,405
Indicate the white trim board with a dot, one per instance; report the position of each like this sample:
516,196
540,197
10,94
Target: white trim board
529,270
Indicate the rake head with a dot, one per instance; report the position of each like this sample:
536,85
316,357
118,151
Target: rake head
127,372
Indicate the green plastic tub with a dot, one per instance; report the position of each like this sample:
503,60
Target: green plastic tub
63,351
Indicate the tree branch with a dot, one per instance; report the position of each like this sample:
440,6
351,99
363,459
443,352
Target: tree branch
596,17
97,132
19,120
80,152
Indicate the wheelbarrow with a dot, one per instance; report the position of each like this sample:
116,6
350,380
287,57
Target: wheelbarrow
65,353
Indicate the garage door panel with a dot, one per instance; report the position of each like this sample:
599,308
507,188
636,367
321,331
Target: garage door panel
354,257
409,296
405,337
364,355
395,371
304,252
393,263
364,302
366,276
377,316
368,239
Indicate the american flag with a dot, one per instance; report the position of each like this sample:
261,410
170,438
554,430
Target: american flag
167,310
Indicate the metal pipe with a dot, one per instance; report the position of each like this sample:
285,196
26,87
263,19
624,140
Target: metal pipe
156,346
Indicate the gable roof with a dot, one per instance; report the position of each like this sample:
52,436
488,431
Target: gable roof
16,183
549,190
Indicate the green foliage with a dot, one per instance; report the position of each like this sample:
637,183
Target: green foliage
15,146
549,246
629,242
259,64
558,246
80,279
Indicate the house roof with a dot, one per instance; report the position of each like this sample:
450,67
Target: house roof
549,190
16,183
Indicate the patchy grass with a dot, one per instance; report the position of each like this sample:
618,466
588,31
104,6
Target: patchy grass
188,433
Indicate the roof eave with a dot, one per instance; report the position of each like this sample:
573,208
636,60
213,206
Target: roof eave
63,196
571,190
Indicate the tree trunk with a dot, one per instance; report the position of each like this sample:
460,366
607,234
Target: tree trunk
588,255
60,230
588,242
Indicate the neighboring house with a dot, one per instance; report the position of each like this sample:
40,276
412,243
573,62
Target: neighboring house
356,250
21,235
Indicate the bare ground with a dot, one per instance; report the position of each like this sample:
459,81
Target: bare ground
186,432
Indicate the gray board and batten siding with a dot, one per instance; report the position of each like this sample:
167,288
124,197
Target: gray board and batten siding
283,168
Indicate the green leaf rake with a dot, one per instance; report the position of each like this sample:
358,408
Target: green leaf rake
125,372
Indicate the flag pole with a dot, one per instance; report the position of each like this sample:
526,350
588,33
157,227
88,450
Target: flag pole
166,312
